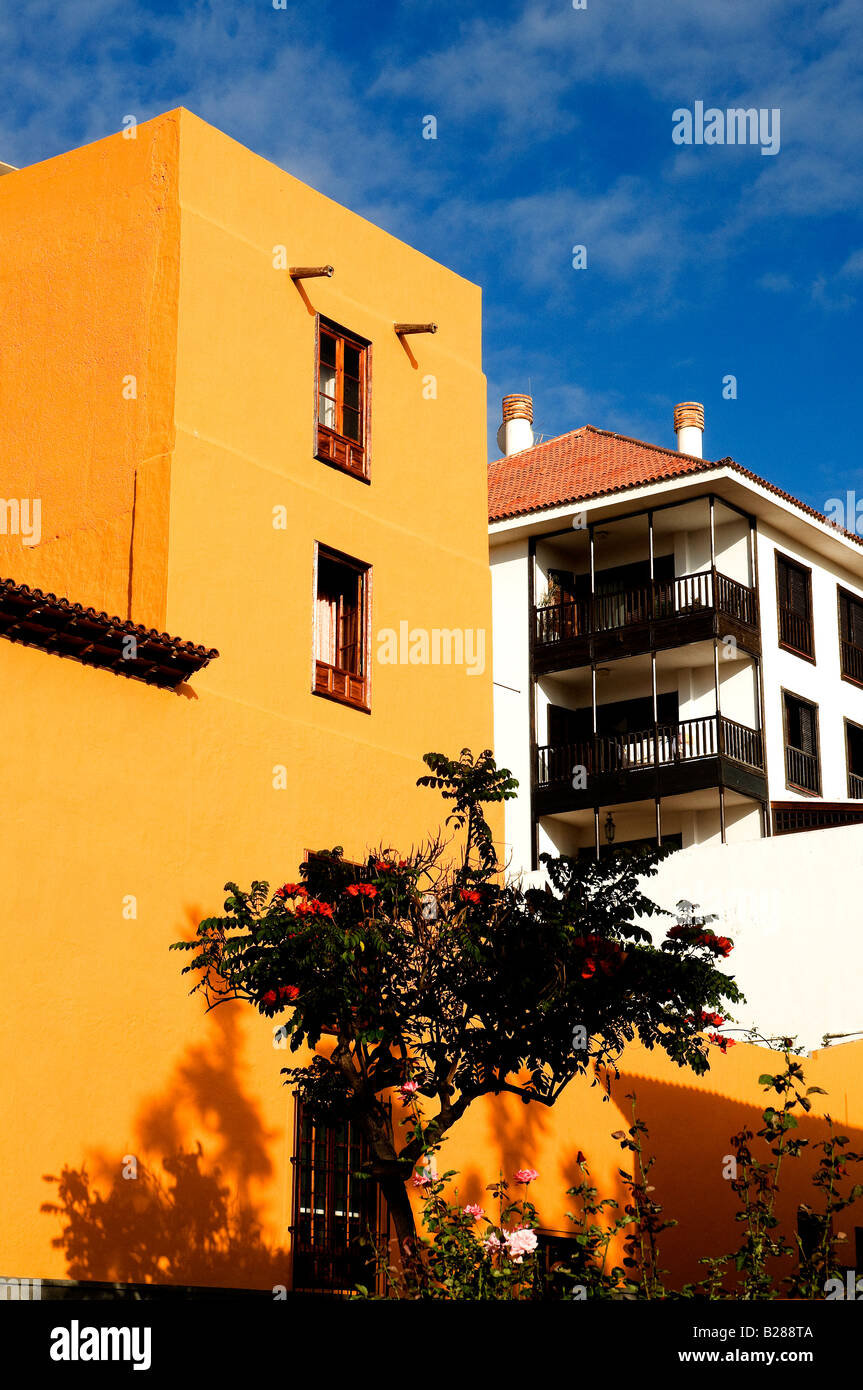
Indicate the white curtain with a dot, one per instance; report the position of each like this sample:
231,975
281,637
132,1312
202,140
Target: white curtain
326,624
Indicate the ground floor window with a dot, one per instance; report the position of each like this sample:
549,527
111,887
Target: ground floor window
335,1209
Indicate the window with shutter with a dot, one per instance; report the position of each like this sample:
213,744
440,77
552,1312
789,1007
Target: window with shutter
851,637
802,757
794,604
854,756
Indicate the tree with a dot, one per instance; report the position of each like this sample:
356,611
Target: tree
450,983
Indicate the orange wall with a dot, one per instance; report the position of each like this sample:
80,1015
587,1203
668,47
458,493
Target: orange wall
88,282
690,1121
122,790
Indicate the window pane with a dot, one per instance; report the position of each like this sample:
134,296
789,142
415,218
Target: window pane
352,393
351,424
352,361
327,398
328,349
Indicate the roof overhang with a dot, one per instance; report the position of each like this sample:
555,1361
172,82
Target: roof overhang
724,480
69,629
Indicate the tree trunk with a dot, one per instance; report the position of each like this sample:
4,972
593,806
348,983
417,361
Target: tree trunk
398,1204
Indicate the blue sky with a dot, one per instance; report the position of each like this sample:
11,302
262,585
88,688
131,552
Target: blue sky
554,129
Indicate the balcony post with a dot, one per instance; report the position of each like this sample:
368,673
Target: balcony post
596,830
531,687
650,557
591,615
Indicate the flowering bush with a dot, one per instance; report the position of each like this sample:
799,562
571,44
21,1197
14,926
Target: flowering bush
389,959
464,1254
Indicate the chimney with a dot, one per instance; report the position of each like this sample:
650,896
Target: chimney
515,432
689,427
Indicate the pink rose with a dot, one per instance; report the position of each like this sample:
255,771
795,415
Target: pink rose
407,1091
473,1210
519,1243
526,1175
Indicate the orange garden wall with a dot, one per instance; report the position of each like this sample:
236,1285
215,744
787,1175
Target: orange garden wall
690,1121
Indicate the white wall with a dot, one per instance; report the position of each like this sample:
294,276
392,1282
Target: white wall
791,907
510,644
821,683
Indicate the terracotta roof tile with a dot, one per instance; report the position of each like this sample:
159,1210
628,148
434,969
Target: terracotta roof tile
589,463
69,629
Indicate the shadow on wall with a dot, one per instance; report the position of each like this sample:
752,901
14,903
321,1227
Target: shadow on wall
195,1223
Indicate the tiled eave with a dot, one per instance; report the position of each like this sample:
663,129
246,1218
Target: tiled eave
69,629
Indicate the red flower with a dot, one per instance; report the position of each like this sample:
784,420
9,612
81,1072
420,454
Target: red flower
285,992
365,890
705,1016
292,890
382,867
312,907
470,895
608,955
719,1041
694,936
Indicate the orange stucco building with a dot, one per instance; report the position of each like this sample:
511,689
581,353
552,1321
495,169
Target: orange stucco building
158,401
257,461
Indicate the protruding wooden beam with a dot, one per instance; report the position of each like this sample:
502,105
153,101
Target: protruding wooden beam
309,272
404,328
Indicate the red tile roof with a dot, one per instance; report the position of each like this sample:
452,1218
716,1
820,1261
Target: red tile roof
589,463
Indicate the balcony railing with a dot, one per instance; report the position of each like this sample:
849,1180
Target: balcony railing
801,769
852,661
662,745
654,601
795,630
855,786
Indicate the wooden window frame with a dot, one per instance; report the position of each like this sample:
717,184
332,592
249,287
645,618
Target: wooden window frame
852,724
793,786
854,598
331,446
332,682
781,557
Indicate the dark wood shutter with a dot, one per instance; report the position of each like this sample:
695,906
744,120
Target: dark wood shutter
807,728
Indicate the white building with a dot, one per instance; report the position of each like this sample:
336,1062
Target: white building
678,646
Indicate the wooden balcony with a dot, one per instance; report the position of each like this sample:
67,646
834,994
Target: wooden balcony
855,786
795,631
657,615
666,759
851,661
802,770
